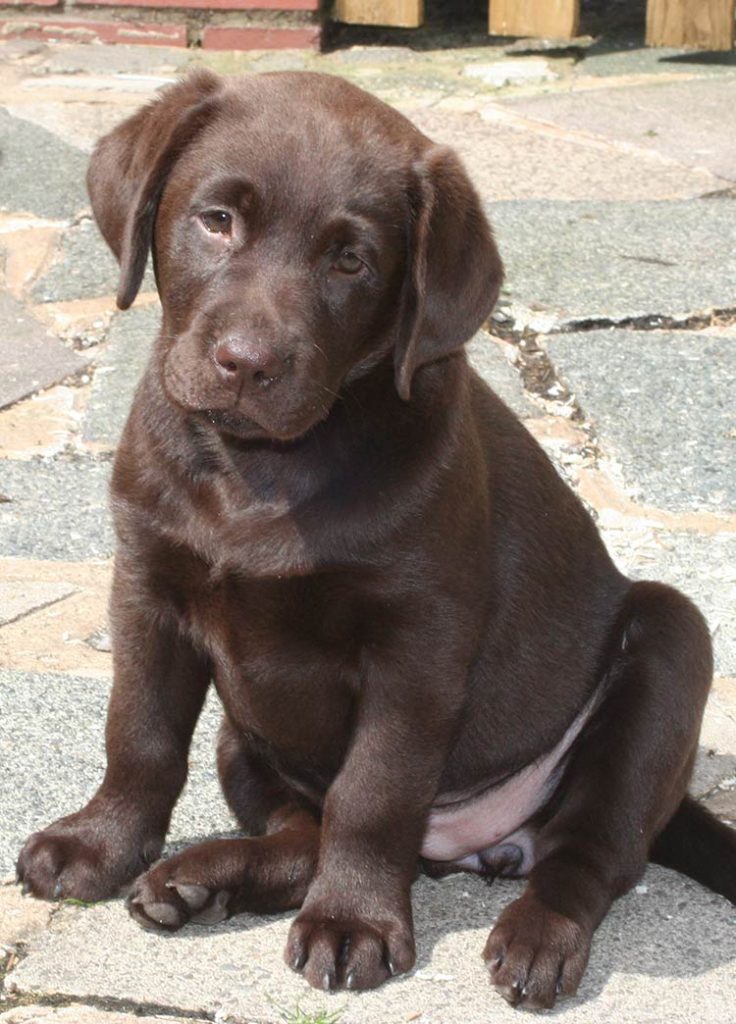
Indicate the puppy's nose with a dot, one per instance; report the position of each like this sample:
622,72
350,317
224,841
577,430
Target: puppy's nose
247,362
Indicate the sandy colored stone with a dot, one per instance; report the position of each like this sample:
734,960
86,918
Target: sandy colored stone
723,804
19,599
84,314
21,917
614,506
53,638
556,432
509,157
81,1015
40,425
27,254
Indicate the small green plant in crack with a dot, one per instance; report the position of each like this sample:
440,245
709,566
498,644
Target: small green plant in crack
72,901
299,1016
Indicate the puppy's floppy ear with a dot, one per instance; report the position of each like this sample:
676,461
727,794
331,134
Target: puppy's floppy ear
130,165
455,271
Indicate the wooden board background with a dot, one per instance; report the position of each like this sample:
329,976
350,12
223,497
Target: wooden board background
557,19
400,13
701,24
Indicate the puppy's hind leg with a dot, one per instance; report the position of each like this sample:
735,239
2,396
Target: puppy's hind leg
267,873
627,776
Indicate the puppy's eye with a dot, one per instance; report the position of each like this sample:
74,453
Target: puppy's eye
217,222
348,263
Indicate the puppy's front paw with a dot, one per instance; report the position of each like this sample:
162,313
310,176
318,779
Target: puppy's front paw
536,955
168,896
82,857
335,950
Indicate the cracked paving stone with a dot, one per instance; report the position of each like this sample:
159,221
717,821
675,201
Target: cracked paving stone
568,262
52,752
662,404
38,172
58,509
85,1015
20,598
30,356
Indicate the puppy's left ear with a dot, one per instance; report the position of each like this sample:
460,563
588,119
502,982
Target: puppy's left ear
455,272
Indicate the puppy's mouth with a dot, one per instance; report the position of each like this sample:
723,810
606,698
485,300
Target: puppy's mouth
230,421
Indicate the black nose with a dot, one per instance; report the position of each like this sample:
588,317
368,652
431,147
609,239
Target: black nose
242,361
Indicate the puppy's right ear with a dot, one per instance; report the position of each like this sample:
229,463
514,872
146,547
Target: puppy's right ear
129,167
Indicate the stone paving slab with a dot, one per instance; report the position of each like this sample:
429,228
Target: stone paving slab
15,603
622,57
42,425
39,173
513,161
488,359
21,918
690,122
662,405
573,262
52,757
670,944
54,637
118,371
31,357
58,509
83,267
702,567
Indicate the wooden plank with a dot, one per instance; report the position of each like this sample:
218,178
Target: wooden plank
399,13
553,19
698,24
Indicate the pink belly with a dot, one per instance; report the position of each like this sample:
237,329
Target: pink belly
462,831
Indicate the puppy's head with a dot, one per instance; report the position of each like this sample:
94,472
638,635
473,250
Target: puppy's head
302,231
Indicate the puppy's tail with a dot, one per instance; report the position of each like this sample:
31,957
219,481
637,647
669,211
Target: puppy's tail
697,844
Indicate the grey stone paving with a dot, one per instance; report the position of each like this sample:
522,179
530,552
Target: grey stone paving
57,509
83,267
118,370
664,410
578,261
689,122
488,359
30,356
703,567
52,760
38,172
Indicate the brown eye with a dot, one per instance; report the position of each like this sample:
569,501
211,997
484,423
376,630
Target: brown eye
217,222
348,263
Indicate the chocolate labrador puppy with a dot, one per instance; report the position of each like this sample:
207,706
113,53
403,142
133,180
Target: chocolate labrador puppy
425,655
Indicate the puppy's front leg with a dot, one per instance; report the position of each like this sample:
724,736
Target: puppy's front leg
158,690
355,928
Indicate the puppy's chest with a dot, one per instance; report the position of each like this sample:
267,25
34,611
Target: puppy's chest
285,654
